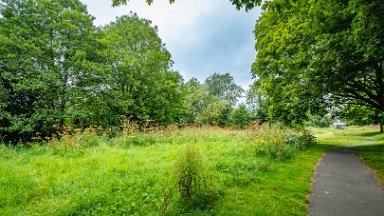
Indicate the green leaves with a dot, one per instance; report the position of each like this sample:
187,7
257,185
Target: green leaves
317,53
137,72
43,55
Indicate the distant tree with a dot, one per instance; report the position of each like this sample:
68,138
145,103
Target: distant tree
196,100
223,87
319,121
361,115
216,113
240,117
257,103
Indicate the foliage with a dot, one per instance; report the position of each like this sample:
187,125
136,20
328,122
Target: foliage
276,143
137,82
196,100
240,117
58,70
319,121
216,113
211,103
314,54
223,87
42,57
360,115
257,103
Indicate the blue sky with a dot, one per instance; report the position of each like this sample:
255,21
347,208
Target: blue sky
203,36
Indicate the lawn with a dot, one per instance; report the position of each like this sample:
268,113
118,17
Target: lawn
372,154
137,175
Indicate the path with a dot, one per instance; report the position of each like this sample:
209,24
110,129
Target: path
344,186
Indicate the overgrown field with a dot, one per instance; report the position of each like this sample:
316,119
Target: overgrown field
198,171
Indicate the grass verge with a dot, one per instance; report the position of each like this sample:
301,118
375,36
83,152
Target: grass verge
372,154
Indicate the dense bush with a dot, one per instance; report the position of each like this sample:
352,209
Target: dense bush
280,143
319,121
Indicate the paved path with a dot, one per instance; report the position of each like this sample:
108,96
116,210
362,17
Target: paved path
344,186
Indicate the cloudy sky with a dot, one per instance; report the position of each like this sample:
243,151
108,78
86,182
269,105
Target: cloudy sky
203,36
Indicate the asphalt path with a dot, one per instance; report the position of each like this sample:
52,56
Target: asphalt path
344,186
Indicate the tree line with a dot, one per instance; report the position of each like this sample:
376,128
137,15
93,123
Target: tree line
58,70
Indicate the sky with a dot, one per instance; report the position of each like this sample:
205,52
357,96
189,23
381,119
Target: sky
203,36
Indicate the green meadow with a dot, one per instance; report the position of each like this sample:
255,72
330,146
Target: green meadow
193,171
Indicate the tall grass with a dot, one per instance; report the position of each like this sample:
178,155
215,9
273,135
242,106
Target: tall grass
278,143
196,171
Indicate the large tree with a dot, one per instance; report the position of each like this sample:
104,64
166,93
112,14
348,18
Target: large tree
44,51
317,53
138,83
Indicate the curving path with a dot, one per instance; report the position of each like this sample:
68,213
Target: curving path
344,186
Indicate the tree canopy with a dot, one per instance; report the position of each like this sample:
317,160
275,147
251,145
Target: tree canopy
313,54
57,70
45,50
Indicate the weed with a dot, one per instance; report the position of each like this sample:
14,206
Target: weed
191,179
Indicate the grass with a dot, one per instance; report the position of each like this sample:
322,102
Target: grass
372,154
134,175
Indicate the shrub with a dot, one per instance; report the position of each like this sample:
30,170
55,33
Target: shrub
240,117
319,121
280,143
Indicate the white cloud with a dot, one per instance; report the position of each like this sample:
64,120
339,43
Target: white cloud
203,36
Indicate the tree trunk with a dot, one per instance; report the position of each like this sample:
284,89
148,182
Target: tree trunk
381,128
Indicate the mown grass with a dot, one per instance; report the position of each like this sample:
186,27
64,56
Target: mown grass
372,154
135,175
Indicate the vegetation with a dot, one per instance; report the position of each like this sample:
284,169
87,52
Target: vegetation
59,72
313,55
80,105
216,171
319,121
372,154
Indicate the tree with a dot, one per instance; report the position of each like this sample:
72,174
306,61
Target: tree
361,115
312,54
240,117
223,87
216,113
257,103
247,4
138,83
196,100
45,50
